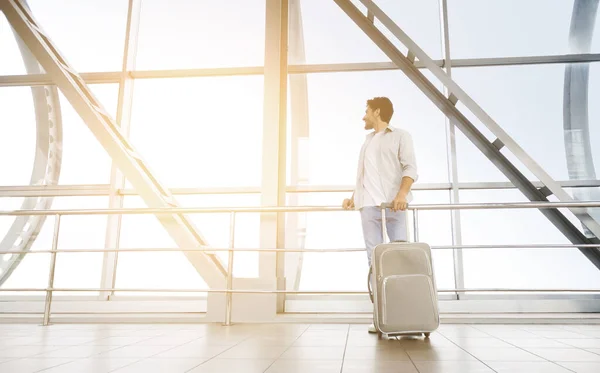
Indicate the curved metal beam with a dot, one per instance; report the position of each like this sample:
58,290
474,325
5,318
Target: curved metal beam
578,149
46,168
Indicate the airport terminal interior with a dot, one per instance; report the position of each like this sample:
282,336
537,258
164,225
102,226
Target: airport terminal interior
173,178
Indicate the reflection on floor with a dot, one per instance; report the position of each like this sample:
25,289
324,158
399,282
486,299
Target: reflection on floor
296,348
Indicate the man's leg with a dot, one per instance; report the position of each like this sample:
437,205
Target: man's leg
371,226
373,236
396,225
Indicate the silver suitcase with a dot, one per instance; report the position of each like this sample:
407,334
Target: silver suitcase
404,292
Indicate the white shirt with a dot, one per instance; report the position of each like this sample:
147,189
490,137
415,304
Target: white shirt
382,166
373,195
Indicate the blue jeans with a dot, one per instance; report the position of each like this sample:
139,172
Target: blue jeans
372,229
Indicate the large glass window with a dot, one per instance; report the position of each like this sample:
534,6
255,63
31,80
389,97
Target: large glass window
98,43
12,61
537,27
518,268
332,37
73,270
527,102
336,106
200,132
172,270
182,34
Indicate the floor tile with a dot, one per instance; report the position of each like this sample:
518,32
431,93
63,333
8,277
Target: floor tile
581,342
536,342
253,352
452,367
321,341
565,354
312,353
135,351
560,334
153,365
31,365
503,354
527,367
577,367
440,354
374,366
77,352
376,353
480,342
27,351
193,351
304,366
167,341
92,365
233,365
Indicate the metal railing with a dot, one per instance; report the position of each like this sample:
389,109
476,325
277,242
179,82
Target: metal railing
233,211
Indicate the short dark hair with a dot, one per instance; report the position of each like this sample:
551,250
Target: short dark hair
385,106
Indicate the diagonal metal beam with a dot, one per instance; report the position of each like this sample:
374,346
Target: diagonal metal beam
472,133
458,94
107,132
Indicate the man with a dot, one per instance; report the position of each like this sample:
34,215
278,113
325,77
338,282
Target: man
386,171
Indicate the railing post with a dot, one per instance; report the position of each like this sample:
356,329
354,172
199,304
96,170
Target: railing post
229,294
52,268
416,224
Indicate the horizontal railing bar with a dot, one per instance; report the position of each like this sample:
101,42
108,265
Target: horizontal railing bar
212,210
314,292
210,249
104,189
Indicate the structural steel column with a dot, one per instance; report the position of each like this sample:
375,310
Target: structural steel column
459,278
272,225
117,179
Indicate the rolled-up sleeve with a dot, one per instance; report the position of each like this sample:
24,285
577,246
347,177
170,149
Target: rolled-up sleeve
407,157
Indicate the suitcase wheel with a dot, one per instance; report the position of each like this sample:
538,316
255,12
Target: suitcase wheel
427,334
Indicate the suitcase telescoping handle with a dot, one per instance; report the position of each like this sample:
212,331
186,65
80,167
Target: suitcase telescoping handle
383,207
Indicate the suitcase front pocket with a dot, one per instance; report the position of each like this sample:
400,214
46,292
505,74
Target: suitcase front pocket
408,303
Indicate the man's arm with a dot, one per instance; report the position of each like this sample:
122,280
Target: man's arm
408,162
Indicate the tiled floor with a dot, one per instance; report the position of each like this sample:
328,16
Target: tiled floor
294,348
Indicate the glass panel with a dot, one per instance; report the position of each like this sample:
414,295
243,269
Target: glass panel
338,230
17,135
162,270
12,60
420,20
527,102
330,36
84,160
336,105
172,270
94,46
197,34
216,228
537,27
201,132
75,270
529,268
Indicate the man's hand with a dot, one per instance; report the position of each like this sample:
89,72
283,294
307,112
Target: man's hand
348,204
400,202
